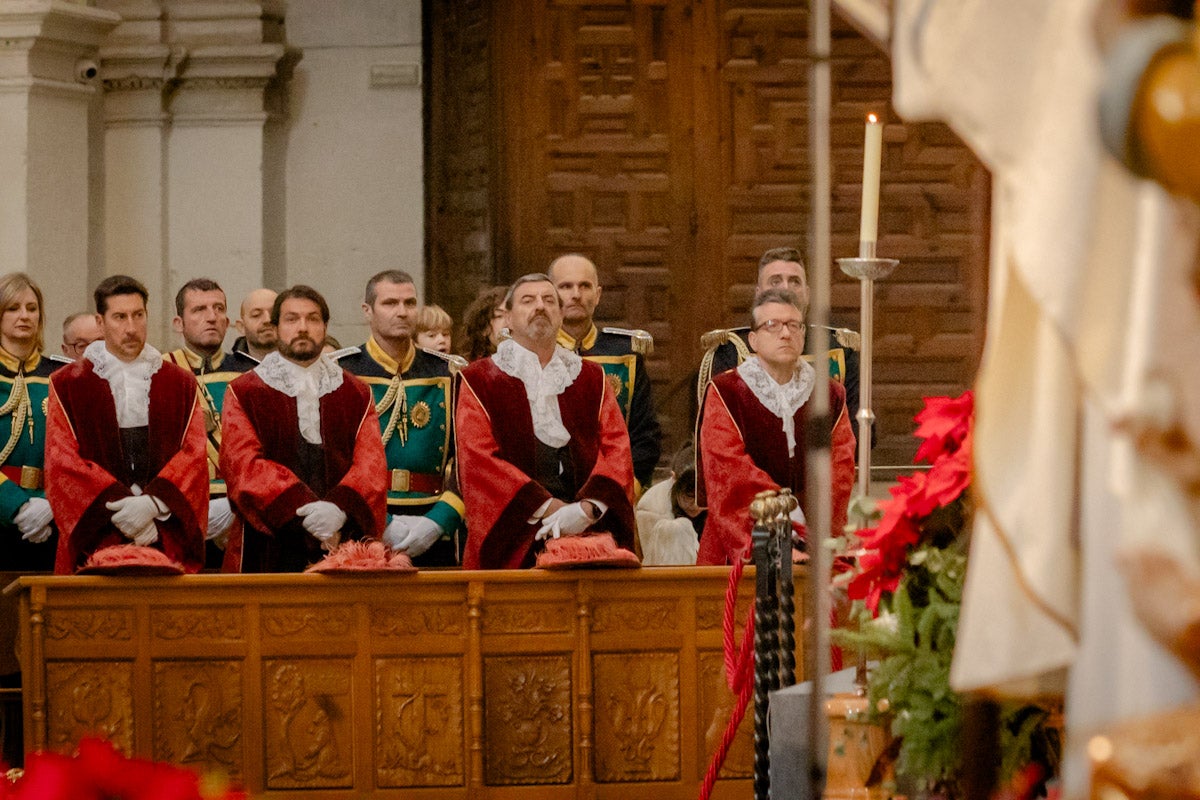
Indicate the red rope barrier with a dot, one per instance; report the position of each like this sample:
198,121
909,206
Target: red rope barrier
739,675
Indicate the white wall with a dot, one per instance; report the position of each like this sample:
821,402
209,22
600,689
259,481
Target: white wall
353,170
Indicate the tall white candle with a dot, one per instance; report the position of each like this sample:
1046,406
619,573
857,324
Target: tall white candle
872,155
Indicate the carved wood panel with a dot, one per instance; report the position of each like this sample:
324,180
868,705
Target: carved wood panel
198,715
636,716
716,708
419,722
527,717
308,723
460,137
89,698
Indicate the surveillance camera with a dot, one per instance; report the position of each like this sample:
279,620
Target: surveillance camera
86,70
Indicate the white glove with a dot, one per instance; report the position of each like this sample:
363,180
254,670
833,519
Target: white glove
410,534
567,520
324,521
220,517
134,516
797,516
33,519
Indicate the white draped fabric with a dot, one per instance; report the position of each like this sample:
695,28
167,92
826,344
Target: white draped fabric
1090,318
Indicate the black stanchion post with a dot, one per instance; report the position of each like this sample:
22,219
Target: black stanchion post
765,639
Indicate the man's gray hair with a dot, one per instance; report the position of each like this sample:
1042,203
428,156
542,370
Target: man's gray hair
784,296
532,277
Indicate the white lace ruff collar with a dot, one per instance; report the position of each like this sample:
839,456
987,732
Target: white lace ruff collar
781,399
129,381
543,385
307,384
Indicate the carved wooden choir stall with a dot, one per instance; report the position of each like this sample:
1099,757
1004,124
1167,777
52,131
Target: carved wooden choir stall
491,684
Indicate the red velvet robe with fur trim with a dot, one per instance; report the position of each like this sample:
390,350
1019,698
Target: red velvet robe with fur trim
85,467
743,451
496,457
260,433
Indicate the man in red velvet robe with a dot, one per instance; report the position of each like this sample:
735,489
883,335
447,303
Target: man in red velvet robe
752,430
125,443
301,452
542,447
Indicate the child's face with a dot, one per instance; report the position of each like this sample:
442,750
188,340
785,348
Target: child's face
435,340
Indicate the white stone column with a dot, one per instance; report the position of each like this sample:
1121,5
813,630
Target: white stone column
215,162
47,79
135,181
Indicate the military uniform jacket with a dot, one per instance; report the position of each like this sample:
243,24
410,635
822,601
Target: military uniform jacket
24,391
626,373
414,401
212,377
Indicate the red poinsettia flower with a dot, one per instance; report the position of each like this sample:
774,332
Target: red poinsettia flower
949,476
943,425
101,772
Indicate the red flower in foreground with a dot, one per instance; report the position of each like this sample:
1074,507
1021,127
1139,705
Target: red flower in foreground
945,425
100,772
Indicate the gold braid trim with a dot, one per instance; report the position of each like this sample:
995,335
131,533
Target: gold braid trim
397,401
18,406
710,342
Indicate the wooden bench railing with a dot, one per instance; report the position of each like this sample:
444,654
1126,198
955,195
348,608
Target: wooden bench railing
440,684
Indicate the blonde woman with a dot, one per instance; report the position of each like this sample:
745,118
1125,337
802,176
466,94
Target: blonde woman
25,519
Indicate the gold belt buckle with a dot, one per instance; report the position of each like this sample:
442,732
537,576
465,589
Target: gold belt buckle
400,480
31,478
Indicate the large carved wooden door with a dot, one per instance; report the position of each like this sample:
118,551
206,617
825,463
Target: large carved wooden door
596,120
667,140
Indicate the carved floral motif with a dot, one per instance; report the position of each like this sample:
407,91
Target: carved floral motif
307,708
196,623
444,620
709,613
637,716
527,716
528,618
89,623
89,698
419,721
198,715
283,622
635,616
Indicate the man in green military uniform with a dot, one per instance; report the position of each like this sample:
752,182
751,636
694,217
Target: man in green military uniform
413,398
618,351
202,318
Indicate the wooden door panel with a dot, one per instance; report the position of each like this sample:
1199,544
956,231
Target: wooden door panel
667,140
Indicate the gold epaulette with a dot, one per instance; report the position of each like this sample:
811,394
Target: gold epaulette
640,341
845,337
710,342
456,363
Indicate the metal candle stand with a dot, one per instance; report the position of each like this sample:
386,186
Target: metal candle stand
774,618
867,269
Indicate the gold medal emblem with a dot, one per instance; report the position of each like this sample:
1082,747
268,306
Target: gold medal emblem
615,383
45,405
420,414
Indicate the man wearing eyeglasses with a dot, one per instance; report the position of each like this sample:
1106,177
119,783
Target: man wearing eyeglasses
783,268
79,330
752,430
